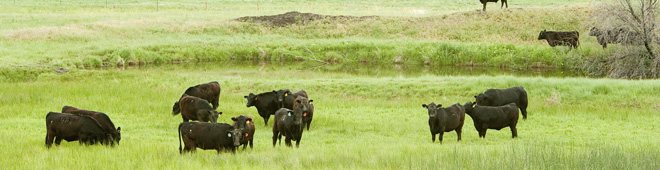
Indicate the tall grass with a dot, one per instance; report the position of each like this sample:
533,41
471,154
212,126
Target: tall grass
361,121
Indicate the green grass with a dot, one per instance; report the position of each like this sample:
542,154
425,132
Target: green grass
362,121
83,34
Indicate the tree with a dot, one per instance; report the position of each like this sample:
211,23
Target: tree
633,23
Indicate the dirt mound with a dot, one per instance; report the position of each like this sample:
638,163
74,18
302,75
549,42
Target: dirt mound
293,17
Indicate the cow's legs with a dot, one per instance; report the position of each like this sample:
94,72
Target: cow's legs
214,102
514,131
58,140
442,132
251,142
49,140
288,141
458,133
484,7
432,137
275,134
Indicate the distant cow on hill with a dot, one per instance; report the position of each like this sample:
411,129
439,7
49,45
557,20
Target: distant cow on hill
501,97
486,1
70,127
447,119
266,103
493,117
246,125
195,108
208,91
217,136
101,118
555,38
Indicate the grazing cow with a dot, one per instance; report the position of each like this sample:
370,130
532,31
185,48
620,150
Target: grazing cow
101,118
486,1
218,136
493,117
195,108
208,91
501,97
266,103
615,36
246,125
288,123
447,119
84,129
555,38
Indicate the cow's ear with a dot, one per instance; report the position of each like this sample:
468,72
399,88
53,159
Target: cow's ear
249,119
245,97
118,129
219,113
474,103
425,106
310,101
234,119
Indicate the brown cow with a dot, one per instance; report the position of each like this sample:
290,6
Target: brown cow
555,38
195,108
84,129
208,91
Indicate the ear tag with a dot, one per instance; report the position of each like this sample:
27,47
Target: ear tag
247,121
304,114
246,134
245,99
229,135
289,114
286,94
255,98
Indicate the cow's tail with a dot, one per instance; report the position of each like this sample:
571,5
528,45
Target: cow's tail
180,149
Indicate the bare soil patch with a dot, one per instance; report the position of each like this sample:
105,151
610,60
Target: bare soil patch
294,17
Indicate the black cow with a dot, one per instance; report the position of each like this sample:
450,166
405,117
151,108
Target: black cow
101,118
500,97
493,117
565,38
84,129
218,136
447,119
246,125
266,103
195,108
486,1
288,123
307,108
286,98
208,91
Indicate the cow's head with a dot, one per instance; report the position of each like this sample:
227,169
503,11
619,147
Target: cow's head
542,35
176,109
303,105
213,115
469,106
295,116
482,99
235,135
241,122
433,109
117,135
251,98
281,94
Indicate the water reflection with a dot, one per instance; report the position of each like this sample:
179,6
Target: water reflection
363,69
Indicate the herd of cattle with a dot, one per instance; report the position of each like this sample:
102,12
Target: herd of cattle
493,109
293,112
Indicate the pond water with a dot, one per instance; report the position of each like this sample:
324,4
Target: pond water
371,70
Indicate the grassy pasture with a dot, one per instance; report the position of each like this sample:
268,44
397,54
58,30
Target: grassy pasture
83,34
361,121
